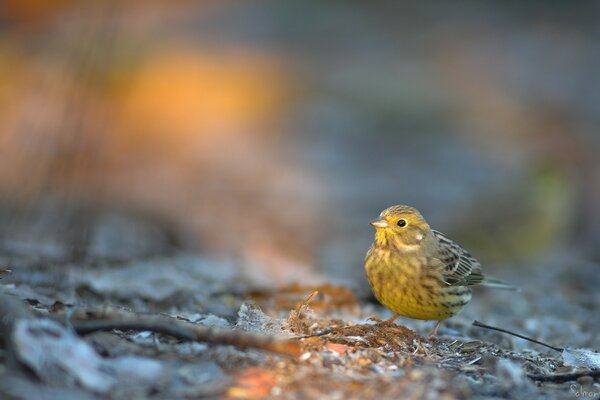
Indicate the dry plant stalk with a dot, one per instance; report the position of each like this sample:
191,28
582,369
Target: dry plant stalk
486,326
565,377
109,318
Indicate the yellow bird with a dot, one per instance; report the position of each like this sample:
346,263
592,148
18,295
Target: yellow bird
418,272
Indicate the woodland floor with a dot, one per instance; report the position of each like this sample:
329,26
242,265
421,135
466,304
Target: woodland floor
347,356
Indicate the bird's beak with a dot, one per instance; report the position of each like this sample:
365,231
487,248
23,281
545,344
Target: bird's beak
379,222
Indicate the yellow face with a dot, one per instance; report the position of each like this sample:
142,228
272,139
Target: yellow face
402,226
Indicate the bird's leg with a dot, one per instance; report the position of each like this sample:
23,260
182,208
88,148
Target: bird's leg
433,332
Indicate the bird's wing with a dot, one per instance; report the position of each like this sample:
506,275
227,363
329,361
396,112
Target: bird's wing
459,267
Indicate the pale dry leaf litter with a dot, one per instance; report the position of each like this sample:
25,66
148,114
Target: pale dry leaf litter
59,357
581,358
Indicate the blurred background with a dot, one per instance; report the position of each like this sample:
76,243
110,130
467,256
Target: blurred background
269,133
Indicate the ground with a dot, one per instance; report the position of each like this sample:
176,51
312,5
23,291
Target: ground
313,341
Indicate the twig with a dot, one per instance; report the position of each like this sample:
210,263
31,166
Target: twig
322,333
294,321
565,377
482,325
111,318
304,305
87,327
187,331
545,377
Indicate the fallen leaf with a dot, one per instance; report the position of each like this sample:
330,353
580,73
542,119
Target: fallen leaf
253,383
581,358
338,348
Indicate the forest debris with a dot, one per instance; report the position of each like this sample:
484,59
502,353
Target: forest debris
185,331
338,348
197,379
58,356
252,319
395,338
510,373
482,325
253,383
202,319
297,321
573,376
578,358
331,297
143,371
62,359
158,279
11,310
25,292
581,358
18,387
110,345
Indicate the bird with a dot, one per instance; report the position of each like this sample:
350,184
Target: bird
418,272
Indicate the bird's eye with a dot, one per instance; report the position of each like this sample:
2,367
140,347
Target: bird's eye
402,223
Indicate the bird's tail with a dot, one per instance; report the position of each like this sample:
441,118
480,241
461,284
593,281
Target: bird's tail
497,283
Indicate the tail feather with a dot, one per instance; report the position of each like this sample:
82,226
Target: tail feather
497,283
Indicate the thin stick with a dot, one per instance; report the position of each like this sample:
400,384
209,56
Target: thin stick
564,377
318,334
189,332
306,301
482,325
87,327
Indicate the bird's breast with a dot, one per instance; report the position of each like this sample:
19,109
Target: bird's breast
412,286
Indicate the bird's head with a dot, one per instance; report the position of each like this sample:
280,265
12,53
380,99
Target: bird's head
402,227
